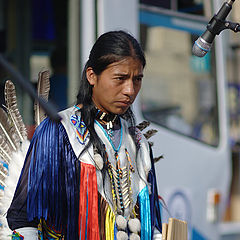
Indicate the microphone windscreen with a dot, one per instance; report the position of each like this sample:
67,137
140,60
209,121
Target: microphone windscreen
201,47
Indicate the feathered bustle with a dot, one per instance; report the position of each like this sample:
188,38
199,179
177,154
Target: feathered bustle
12,109
14,170
14,146
7,131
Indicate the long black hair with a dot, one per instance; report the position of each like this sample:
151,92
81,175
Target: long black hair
110,47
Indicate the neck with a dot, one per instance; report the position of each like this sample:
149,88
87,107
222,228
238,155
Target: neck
106,118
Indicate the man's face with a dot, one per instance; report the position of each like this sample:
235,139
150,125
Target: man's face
116,88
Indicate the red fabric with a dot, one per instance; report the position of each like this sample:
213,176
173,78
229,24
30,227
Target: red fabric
88,192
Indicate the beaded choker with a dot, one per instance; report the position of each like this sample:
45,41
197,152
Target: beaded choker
109,118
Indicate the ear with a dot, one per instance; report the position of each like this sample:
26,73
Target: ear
91,76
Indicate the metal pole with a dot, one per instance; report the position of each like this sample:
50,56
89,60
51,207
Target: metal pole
73,49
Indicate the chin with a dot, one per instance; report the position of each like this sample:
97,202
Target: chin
120,111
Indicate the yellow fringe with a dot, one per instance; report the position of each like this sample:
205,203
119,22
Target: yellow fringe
109,224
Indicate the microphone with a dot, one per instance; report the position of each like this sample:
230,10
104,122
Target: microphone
204,43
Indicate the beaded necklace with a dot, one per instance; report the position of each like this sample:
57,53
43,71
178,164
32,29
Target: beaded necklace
106,133
121,183
120,177
109,118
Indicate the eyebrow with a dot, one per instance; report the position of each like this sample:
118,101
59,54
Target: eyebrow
125,75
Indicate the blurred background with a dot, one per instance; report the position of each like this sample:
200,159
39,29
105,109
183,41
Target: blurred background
193,102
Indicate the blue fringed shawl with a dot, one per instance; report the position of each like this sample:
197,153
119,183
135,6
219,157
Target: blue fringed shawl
53,180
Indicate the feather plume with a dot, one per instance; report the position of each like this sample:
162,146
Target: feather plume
12,108
141,126
12,133
156,159
43,89
5,151
6,130
150,133
14,171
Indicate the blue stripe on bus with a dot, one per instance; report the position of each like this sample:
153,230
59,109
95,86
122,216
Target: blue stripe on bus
197,235
157,19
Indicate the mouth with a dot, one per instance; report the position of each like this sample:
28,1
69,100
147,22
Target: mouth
124,103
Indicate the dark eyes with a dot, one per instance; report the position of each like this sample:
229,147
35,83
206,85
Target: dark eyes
138,79
121,78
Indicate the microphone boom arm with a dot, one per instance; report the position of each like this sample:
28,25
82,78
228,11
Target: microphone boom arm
232,26
216,26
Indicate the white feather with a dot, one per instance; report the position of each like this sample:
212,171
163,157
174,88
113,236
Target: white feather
16,156
14,171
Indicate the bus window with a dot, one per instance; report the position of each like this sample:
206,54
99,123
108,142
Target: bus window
187,6
179,89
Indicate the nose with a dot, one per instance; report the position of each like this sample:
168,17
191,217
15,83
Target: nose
129,88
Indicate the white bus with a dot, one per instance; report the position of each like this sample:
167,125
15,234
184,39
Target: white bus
184,98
